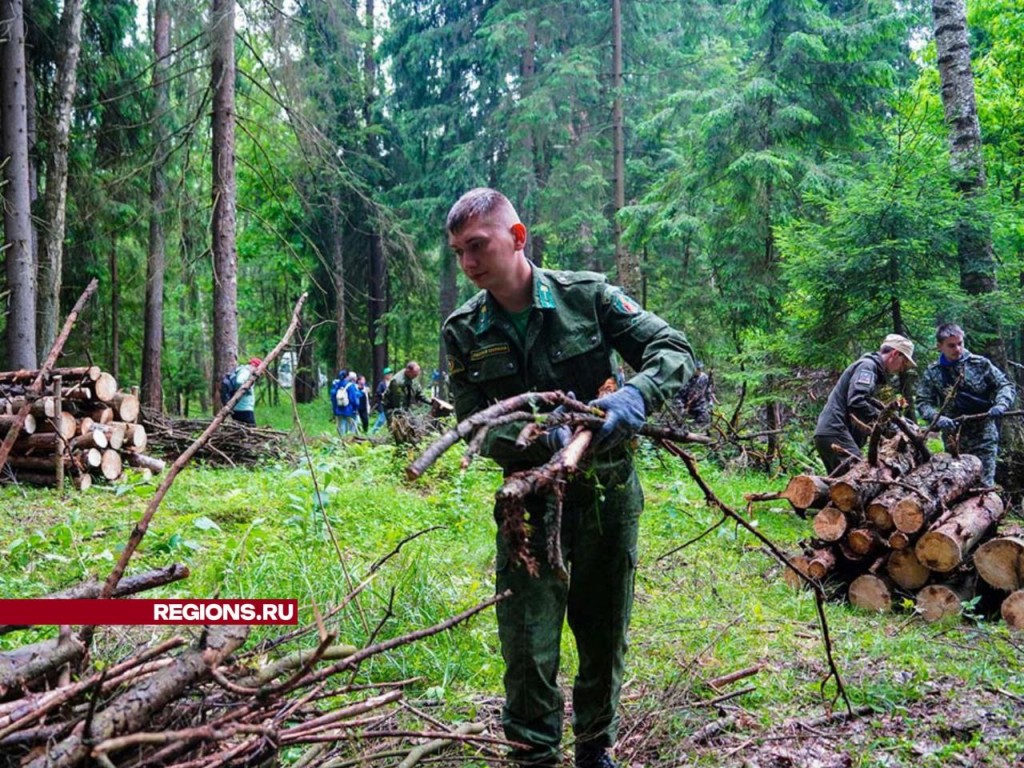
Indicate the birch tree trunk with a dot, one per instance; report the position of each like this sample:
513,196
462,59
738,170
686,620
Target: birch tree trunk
20,268
153,330
51,251
225,263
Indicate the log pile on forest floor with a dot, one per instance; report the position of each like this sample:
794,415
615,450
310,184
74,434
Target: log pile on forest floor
905,525
205,701
80,426
234,444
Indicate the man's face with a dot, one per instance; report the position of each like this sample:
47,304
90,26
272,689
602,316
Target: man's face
952,347
486,249
897,363
412,372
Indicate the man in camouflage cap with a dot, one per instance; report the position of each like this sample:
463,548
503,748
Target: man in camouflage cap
534,329
849,414
961,383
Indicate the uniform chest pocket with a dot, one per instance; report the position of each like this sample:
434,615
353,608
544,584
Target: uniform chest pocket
498,373
579,363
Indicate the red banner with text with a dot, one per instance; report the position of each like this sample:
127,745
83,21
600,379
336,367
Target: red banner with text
142,611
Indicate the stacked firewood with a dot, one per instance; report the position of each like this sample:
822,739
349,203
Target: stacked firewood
234,444
81,426
906,523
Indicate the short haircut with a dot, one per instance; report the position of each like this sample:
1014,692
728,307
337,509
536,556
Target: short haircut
477,202
946,330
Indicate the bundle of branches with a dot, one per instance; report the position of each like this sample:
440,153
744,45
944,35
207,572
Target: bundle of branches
536,412
413,427
205,703
233,444
79,425
905,523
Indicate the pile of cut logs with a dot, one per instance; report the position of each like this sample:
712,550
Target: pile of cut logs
910,524
79,428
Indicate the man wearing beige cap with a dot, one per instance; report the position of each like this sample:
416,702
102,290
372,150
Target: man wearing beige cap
849,411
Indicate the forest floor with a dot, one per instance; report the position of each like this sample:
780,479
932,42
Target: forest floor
934,694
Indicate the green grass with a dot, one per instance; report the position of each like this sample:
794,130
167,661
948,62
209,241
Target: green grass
715,607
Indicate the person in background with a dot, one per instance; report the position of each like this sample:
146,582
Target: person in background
382,388
849,414
404,390
364,403
961,383
245,409
534,329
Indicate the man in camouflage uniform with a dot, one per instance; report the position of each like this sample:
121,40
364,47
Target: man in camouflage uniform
960,383
535,329
404,390
849,414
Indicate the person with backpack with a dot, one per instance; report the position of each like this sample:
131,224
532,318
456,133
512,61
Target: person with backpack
245,409
341,402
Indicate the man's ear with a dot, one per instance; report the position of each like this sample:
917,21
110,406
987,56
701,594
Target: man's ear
519,235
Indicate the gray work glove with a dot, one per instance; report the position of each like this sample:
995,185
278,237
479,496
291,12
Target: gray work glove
556,439
997,411
624,414
946,424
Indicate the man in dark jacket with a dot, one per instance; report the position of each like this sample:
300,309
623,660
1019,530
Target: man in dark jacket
959,384
848,415
534,329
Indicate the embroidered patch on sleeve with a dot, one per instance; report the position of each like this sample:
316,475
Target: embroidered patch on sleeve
488,351
455,365
623,304
866,377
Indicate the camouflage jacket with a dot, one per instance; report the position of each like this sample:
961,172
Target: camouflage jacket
403,392
576,321
851,397
979,386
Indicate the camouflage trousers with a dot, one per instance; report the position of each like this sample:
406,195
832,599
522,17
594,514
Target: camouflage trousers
981,440
600,523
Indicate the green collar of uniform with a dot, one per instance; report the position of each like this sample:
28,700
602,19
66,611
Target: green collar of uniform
543,298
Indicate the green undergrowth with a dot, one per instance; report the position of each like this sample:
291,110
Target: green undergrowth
311,531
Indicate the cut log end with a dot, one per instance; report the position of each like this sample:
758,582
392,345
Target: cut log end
871,593
793,581
806,492
938,551
1012,610
830,524
908,515
906,570
845,495
1000,562
937,601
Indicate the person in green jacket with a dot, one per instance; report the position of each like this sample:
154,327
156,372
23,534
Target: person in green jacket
534,329
961,383
404,390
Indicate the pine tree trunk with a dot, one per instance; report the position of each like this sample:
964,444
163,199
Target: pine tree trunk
338,273
626,263
222,225
20,269
153,329
973,231
449,295
52,246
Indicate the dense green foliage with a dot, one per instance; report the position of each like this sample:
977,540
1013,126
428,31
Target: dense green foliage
787,167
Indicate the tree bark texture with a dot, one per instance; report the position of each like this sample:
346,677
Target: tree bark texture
973,231
939,482
151,389
863,482
945,545
627,264
20,267
225,260
449,295
51,251
338,274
